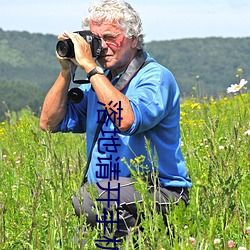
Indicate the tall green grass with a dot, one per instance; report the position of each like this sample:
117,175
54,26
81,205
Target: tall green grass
40,172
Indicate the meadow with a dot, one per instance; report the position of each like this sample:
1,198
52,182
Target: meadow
40,172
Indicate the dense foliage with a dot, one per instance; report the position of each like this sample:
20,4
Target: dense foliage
210,63
16,95
41,171
28,68
26,57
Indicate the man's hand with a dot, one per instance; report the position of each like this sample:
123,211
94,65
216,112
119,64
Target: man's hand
83,54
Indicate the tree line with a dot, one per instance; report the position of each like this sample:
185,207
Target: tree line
202,67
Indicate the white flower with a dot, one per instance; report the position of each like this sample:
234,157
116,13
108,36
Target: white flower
246,133
237,87
22,210
242,248
217,241
192,240
248,230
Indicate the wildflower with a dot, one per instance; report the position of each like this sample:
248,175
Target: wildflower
221,147
45,216
248,230
237,87
247,133
192,240
216,241
195,106
242,248
137,159
132,162
240,70
198,182
230,244
14,188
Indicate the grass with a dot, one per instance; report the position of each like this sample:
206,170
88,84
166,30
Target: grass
40,172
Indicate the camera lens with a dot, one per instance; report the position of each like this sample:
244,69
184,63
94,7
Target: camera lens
65,48
75,95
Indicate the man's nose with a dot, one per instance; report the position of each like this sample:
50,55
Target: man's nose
104,44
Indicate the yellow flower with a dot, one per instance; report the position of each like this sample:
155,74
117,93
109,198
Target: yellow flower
240,70
132,162
195,105
137,159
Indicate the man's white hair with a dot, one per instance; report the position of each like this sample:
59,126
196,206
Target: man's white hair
117,12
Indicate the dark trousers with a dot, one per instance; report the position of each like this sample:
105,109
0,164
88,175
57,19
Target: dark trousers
124,201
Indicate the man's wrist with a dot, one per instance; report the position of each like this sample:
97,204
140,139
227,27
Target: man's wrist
65,73
97,70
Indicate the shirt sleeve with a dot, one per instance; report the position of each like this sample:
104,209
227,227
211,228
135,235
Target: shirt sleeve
75,118
152,98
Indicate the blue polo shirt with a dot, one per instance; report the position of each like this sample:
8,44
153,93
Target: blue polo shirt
154,97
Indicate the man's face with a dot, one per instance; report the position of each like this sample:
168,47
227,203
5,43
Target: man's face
118,50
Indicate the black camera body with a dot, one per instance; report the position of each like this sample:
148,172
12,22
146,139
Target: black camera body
65,48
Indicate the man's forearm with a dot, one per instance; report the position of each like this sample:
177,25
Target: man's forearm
55,103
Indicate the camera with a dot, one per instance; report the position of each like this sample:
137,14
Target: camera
65,48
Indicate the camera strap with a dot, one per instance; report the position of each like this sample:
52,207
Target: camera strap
136,64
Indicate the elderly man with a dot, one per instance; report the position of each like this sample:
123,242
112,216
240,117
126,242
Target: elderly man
141,100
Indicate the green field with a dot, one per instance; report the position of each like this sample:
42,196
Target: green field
40,172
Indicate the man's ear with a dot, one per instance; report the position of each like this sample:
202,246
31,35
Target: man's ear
134,42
